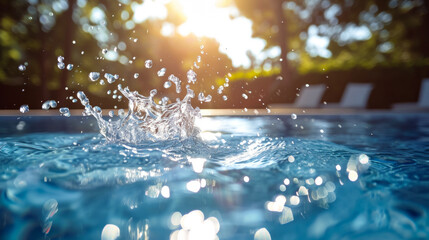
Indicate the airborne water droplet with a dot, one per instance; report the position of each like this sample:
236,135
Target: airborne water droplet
161,72
22,68
293,116
65,112
110,78
61,65
24,108
94,76
60,59
136,75
69,66
192,77
225,97
148,63
244,96
167,84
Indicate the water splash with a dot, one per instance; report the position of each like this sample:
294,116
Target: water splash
145,119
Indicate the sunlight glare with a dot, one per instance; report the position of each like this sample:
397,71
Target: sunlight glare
205,19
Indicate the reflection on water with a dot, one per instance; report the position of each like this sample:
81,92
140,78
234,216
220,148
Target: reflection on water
256,178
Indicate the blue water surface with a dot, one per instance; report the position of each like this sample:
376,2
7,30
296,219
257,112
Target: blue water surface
260,177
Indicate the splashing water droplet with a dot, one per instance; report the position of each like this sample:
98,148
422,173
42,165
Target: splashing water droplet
244,96
224,97
69,66
61,65
60,59
111,113
136,75
45,105
24,108
104,51
110,78
94,76
161,72
22,68
199,59
167,84
153,92
148,63
65,112
52,104
220,90
279,78
293,116
176,81
192,77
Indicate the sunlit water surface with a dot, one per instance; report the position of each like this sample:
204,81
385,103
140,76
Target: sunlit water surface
272,177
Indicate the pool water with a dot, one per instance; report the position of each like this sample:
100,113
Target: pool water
261,177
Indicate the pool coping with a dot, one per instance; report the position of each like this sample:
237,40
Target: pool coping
238,112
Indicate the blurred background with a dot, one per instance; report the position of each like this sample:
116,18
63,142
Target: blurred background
265,49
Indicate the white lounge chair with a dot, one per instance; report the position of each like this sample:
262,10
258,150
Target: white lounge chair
309,97
356,95
423,102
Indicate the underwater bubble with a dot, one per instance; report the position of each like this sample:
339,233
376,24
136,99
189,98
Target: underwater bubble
60,59
110,232
244,96
20,126
262,234
161,72
224,97
50,207
22,67
110,78
24,108
65,112
136,75
148,63
69,66
94,76
167,84
61,65
192,76
293,116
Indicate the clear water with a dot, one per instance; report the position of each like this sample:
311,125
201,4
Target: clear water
60,179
